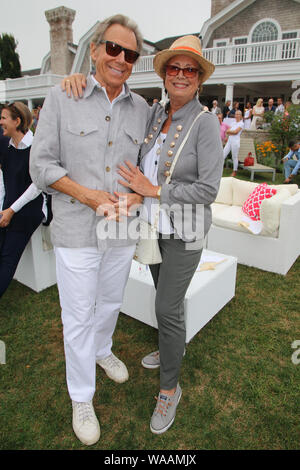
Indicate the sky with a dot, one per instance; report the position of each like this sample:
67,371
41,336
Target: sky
157,20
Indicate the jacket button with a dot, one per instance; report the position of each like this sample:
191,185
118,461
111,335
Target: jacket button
167,173
110,143
72,200
107,169
107,118
81,132
170,153
168,164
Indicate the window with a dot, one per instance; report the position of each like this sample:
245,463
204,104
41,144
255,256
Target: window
221,44
265,31
240,41
291,35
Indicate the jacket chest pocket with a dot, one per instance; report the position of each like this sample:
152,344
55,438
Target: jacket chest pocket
81,141
131,146
81,130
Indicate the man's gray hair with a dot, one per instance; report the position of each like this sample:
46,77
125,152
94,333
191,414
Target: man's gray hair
121,20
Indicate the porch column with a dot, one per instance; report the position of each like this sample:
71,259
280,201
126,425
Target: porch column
163,93
229,92
30,104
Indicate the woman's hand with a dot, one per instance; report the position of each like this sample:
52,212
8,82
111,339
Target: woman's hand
136,181
75,84
6,217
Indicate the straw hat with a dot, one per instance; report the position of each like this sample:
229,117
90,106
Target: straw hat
187,45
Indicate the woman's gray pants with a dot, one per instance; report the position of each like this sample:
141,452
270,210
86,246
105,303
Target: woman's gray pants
171,279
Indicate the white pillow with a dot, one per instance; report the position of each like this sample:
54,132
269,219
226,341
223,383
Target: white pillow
270,209
292,188
224,195
241,191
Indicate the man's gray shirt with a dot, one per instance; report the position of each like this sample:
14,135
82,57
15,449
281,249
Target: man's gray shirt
85,140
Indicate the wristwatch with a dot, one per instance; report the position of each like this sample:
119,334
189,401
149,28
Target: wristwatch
158,192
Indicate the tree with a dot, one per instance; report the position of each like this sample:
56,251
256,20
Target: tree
9,58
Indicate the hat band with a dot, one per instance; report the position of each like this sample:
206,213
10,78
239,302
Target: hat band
187,48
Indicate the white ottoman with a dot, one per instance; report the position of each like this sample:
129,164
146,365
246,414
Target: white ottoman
207,294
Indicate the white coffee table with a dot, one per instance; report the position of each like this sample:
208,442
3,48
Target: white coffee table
207,294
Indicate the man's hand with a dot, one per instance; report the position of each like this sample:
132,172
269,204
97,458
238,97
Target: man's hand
92,198
101,202
6,217
74,84
128,203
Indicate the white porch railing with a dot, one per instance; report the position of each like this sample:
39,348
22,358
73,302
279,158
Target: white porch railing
239,54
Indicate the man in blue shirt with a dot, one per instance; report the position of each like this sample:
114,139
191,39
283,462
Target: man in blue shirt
270,107
291,166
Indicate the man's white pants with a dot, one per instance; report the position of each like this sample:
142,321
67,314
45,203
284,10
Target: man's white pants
91,285
234,148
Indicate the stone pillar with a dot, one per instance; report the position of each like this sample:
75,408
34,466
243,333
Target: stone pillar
229,92
61,33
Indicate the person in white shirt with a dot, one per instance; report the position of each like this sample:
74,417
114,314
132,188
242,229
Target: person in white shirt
280,106
233,143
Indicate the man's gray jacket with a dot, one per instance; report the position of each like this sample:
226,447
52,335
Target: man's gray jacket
85,140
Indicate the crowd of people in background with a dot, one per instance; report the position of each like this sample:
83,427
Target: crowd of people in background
234,120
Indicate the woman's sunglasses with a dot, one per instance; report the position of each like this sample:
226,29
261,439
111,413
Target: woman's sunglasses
114,50
188,72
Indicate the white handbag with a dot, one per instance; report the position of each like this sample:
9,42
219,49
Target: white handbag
147,249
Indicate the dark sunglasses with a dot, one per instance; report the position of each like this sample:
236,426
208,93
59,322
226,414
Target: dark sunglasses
114,50
188,72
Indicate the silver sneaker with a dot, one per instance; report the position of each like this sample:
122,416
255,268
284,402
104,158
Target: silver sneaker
151,361
165,411
114,368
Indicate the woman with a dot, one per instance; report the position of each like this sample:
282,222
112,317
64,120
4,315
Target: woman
195,181
194,184
22,204
247,116
257,113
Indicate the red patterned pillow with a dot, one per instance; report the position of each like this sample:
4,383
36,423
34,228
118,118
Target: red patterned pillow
251,206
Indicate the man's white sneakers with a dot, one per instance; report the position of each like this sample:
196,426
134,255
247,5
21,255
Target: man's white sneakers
85,422
114,368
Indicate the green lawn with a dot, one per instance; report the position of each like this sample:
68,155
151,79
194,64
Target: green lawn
240,386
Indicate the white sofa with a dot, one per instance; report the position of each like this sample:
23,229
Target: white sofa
36,268
277,246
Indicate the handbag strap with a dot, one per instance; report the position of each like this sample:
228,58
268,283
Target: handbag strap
154,226
181,147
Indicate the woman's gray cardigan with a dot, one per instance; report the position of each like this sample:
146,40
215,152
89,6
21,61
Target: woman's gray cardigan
196,177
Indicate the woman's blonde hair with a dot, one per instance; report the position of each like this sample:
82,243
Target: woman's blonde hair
259,102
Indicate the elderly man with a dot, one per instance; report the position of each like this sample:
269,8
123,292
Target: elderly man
215,108
233,143
77,148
